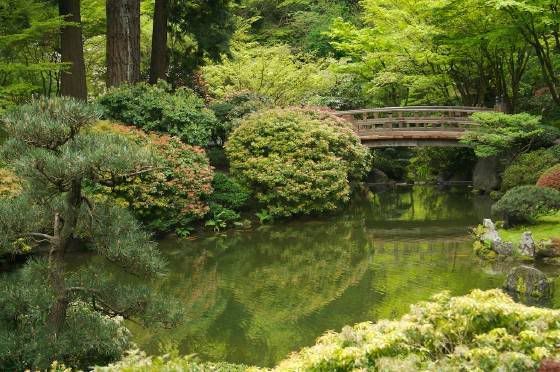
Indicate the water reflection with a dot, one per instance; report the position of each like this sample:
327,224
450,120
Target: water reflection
254,296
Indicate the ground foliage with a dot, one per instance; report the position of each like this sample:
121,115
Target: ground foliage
297,161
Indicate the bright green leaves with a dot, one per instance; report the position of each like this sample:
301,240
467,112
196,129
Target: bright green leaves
296,161
500,133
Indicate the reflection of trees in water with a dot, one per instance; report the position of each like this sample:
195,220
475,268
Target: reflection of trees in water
424,203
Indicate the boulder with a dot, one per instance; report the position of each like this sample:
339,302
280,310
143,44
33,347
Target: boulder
549,248
528,281
527,244
503,248
486,174
490,232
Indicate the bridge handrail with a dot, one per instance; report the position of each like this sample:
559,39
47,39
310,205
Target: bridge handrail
463,109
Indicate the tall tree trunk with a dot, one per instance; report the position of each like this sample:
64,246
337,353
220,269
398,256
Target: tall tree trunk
73,80
123,42
158,65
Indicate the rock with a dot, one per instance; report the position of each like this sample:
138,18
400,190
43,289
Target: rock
490,232
527,244
378,176
528,281
503,248
486,174
549,248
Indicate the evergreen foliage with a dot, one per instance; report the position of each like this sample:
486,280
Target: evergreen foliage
297,161
180,113
528,167
48,312
523,203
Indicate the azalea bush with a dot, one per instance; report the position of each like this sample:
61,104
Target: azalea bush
179,113
297,161
524,203
550,178
172,196
482,331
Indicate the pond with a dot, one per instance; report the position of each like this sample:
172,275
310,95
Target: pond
254,296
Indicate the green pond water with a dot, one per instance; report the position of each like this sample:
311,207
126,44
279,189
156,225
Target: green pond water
255,296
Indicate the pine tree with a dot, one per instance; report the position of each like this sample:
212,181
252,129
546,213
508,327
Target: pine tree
49,312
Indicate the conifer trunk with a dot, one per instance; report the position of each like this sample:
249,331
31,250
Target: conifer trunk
159,60
73,79
64,227
123,42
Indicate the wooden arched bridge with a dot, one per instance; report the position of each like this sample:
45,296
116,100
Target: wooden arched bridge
411,126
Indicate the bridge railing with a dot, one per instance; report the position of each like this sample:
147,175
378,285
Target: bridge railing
412,118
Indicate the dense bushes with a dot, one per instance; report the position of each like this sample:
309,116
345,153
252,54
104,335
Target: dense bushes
527,168
157,108
523,203
228,198
171,196
550,178
482,331
296,161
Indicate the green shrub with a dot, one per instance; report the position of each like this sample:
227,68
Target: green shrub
482,331
524,203
230,109
527,168
172,196
297,161
228,192
180,113
550,178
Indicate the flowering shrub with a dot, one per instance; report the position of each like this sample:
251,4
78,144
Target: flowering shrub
550,178
482,331
296,161
180,113
523,203
172,196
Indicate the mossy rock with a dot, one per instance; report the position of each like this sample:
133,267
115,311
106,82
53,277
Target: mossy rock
528,281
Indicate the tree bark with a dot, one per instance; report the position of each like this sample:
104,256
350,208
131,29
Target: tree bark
123,42
64,227
73,80
159,60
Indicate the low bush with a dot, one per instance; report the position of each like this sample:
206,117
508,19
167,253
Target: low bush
230,109
524,203
297,161
482,331
228,198
179,113
550,178
527,168
172,196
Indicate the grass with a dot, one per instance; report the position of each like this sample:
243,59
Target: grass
544,228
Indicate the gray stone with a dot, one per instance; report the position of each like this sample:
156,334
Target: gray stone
527,244
528,281
503,248
486,174
490,232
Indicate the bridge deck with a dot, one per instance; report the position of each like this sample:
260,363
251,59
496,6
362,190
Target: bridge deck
411,126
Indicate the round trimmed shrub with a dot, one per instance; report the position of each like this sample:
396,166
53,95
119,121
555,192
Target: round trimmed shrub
523,203
173,195
180,113
297,161
527,168
550,178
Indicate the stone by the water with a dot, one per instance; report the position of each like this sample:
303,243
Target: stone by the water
490,233
528,281
527,244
